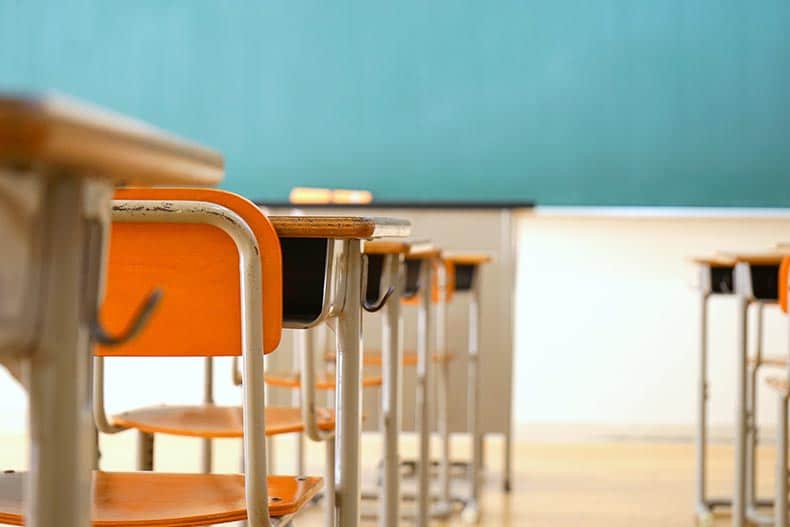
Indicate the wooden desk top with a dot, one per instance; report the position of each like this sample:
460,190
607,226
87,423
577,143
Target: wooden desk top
407,247
340,227
63,134
764,258
460,258
714,261
422,250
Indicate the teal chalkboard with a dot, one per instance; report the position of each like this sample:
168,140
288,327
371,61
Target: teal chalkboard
607,102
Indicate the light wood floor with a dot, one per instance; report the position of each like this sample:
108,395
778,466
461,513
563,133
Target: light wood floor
556,485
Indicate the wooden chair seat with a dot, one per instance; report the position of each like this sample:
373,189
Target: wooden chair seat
776,360
373,357
324,380
209,421
158,499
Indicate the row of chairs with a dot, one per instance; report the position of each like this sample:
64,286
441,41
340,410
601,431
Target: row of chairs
754,281
195,272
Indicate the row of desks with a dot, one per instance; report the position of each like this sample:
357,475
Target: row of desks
488,227
751,279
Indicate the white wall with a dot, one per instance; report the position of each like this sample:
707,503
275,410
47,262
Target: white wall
606,329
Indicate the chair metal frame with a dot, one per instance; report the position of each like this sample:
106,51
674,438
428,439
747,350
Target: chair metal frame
390,418
744,497
254,402
342,309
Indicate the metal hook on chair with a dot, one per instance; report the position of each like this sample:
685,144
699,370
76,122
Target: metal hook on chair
372,308
136,325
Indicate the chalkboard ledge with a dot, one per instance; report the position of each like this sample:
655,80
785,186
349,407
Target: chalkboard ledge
467,205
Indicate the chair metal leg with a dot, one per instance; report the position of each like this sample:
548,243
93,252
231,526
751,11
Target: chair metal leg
206,449
329,485
299,465
392,353
94,430
780,497
425,339
704,514
206,456
145,451
299,338
751,413
471,511
443,396
271,460
96,449
348,392
507,457
740,491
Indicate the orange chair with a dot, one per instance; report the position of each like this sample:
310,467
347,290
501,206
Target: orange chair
216,259
205,421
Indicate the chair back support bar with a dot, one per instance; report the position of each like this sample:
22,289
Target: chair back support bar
196,266
253,320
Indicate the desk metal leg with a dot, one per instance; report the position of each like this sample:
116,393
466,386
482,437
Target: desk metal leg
391,398
751,415
424,342
471,512
58,485
739,493
704,514
348,393
443,397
